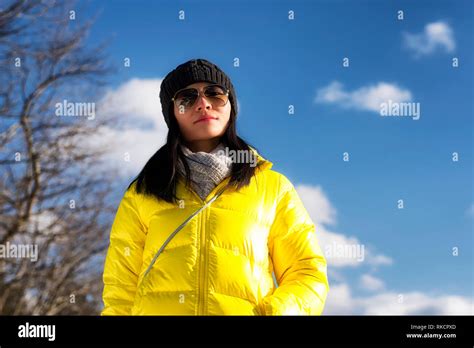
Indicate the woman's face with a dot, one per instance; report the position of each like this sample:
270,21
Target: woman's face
191,121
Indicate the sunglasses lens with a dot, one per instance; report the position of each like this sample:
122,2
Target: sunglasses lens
186,97
216,95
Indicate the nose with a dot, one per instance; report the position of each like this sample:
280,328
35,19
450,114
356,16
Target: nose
202,103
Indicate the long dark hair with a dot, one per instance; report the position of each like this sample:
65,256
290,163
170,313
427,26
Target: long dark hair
159,176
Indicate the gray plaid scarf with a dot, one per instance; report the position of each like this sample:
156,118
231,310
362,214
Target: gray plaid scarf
207,169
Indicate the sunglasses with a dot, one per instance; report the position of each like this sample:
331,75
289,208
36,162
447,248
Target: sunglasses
215,94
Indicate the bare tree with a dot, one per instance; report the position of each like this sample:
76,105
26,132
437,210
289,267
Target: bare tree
53,192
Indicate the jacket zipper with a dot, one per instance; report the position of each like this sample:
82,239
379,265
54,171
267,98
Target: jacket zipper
202,269
197,212
203,250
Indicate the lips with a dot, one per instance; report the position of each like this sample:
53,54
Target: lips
206,118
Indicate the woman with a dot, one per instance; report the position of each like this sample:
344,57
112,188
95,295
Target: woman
206,223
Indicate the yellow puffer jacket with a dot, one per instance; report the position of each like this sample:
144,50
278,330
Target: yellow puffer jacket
221,262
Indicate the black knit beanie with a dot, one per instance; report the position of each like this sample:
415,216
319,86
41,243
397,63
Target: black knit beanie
194,70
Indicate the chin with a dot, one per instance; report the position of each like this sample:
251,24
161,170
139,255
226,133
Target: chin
209,133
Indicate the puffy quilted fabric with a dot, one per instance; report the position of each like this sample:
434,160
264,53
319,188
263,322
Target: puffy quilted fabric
221,262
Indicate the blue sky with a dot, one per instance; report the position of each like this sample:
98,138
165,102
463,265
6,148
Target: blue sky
285,62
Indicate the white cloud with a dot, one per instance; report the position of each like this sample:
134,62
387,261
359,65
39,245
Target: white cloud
135,100
382,301
371,283
380,260
365,98
416,303
435,35
138,128
317,204
340,301
323,213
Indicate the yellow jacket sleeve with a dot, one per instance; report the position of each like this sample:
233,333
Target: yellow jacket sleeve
299,265
124,258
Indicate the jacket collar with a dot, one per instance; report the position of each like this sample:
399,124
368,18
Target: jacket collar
265,164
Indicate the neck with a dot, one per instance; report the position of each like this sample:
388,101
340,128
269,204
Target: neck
203,145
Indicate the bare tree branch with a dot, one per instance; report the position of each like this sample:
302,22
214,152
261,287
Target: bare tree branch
49,197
